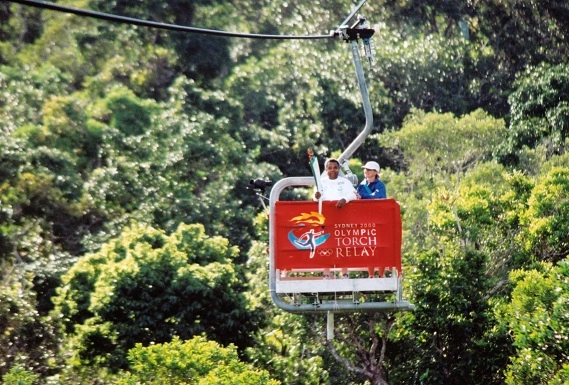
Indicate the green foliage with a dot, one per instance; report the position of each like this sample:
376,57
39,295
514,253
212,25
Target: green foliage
128,115
196,361
483,213
513,35
263,89
137,289
65,127
283,344
164,164
464,216
537,318
57,47
441,146
19,376
29,341
43,194
432,16
516,200
285,348
203,59
539,111
360,345
289,106
23,92
104,123
470,214
522,33
546,219
19,25
449,329
561,376
426,72
41,222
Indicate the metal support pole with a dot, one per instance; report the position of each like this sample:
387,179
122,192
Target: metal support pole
329,326
348,152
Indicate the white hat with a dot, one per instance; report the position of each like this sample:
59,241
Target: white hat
371,166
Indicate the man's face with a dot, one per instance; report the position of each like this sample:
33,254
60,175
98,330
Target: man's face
332,169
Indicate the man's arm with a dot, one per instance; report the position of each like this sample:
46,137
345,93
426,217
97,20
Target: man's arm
350,194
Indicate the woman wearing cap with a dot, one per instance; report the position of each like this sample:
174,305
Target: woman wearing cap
371,187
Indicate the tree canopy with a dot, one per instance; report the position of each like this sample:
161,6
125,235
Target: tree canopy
132,248
146,287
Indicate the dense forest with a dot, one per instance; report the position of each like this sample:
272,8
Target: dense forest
133,252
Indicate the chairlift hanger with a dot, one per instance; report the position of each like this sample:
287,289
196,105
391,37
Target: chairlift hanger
314,294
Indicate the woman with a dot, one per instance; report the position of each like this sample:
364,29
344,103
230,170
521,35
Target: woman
371,187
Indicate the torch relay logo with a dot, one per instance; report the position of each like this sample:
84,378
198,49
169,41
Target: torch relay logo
309,233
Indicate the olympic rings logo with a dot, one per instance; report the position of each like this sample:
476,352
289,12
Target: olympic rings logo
325,252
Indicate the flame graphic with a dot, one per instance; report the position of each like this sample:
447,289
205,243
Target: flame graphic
312,218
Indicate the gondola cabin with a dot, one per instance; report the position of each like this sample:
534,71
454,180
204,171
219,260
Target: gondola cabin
331,259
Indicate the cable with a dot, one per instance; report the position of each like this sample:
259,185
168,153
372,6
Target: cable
152,24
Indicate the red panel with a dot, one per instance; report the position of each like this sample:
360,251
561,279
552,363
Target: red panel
362,234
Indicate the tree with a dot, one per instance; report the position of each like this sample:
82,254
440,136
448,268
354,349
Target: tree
29,340
146,287
25,92
284,344
506,38
200,58
537,319
448,338
104,123
19,376
523,33
195,361
545,221
360,345
539,112
427,72
439,148
20,25
483,213
432,16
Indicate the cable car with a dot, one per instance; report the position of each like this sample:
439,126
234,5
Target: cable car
362,239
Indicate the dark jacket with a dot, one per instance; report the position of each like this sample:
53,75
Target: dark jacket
373,190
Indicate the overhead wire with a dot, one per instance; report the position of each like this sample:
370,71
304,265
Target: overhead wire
153,24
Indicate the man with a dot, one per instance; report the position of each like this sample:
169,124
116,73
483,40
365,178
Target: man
371,187
335,187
